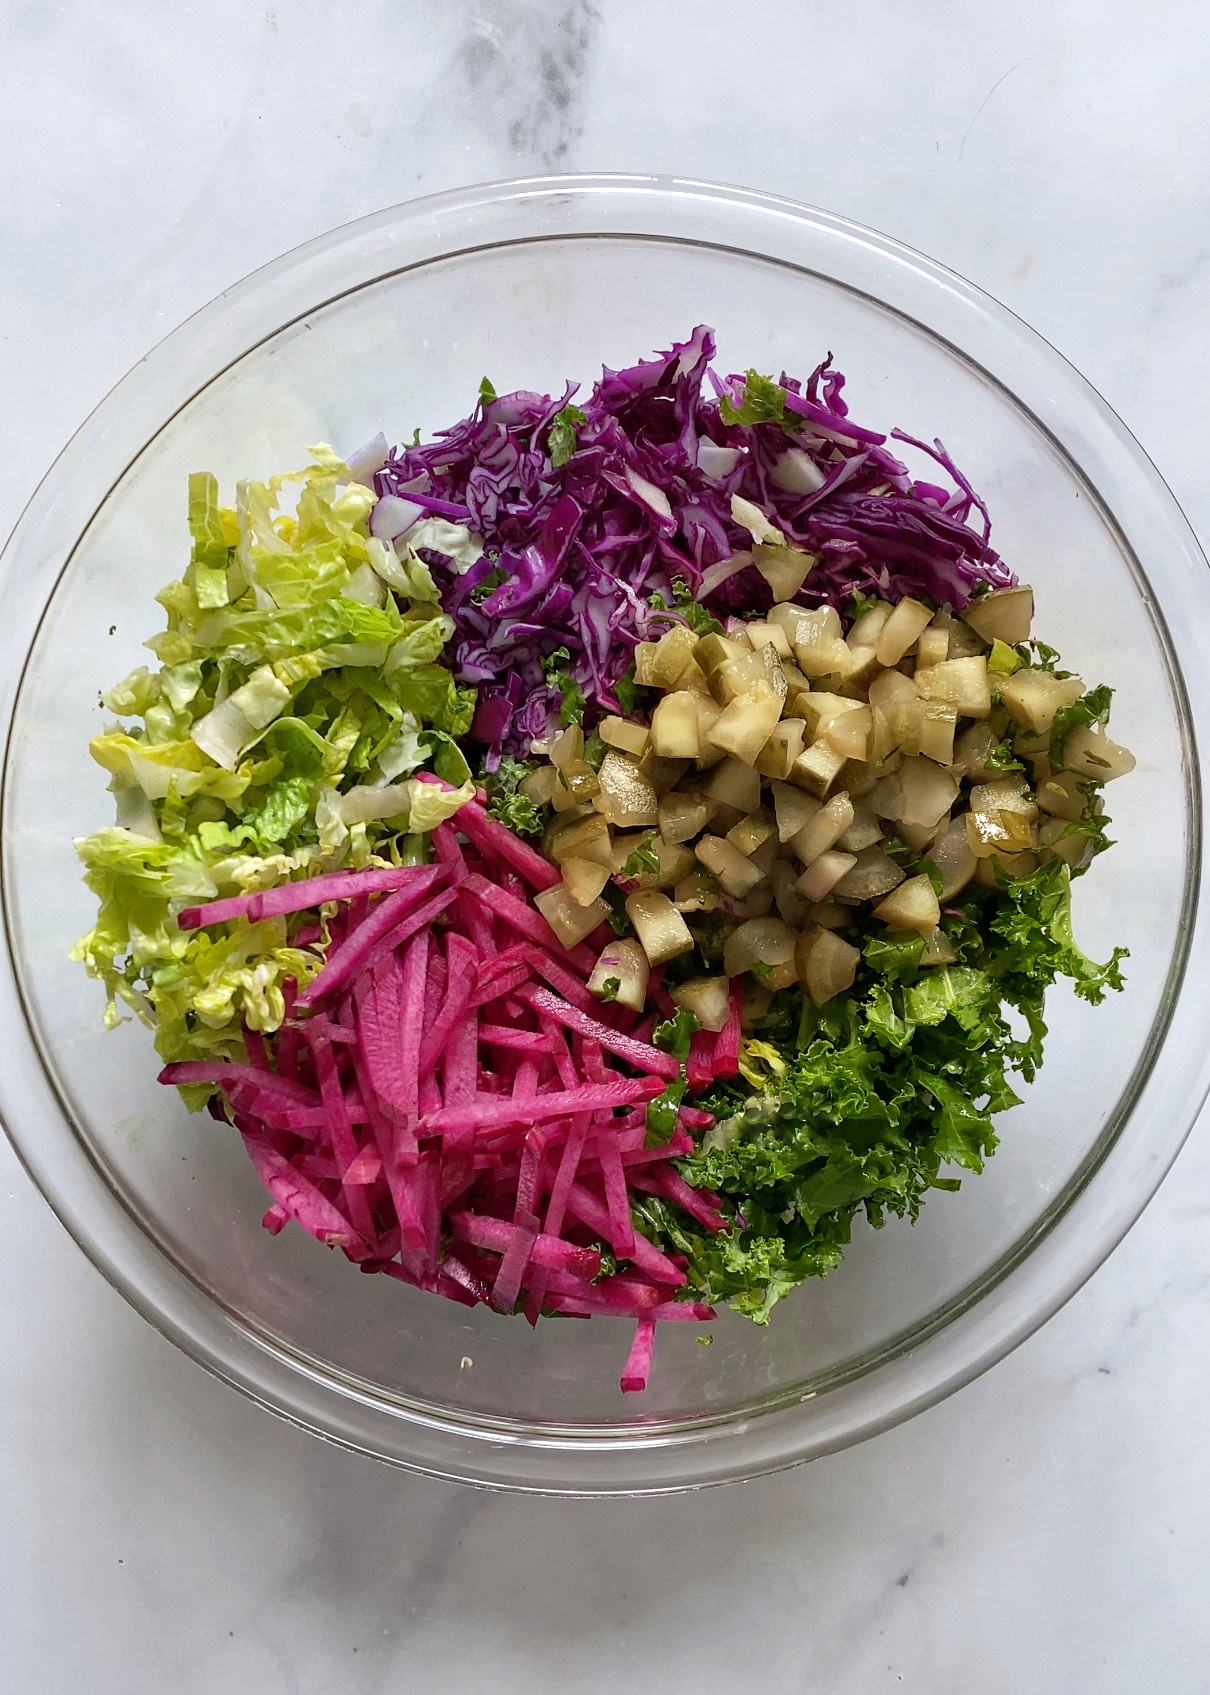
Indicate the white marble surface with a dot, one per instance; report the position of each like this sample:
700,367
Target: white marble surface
1046,1530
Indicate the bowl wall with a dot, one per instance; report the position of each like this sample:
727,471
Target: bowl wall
402,345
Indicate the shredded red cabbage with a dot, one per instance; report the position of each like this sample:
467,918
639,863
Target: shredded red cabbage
586,513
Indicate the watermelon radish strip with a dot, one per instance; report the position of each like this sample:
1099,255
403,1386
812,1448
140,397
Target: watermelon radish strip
639,1054
376,998
621,1299
525,1081
258,1053
392,1165
411,1021
462,1276
276,1219
529,1173
365,1170
427,1179
502,964
556,1207
378,1033
289,1043
550,1252
477,922
640,1156
345,959
344,1143
526,921
225,1073
297,897
486,1111
626,1291
499,1119
587,1306
500,843
486,993
591,1059
408,927
460,982
616,1198
676,1148
564,1065
699,1067
304,1121
444,838
638,1363
507,1287
673,1187
300,1198
559,977
434,984
454,1280
457,1146
726,1046
649,1259
523,1041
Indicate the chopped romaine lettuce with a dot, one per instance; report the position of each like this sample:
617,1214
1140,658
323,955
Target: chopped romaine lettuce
283,684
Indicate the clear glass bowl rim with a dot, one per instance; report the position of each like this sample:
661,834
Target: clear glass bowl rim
1105,1198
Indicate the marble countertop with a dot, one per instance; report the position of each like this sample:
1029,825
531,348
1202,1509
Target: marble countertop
1048,1529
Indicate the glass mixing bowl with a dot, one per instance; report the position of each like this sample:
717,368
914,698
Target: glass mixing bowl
389,323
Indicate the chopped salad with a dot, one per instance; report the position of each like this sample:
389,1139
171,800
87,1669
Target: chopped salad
593,857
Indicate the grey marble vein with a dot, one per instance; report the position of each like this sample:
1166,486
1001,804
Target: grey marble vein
524,67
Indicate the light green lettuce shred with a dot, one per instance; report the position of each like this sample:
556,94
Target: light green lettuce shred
305,691
432,806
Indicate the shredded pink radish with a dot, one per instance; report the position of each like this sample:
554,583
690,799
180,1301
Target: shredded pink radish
343,1141
549,1251
415,923
499,987
635,1053
461,960
527,921
638,1364
343,961
298,897
500,843
488,1112
559,977
448,1104
299,1198
276,1219
595,1214
699,1068
726,1043
673,1187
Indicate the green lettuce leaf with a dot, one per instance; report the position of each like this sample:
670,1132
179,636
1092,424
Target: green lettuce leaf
431,806
307,691
210,555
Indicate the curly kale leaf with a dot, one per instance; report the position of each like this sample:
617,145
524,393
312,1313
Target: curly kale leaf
1091,708
506,803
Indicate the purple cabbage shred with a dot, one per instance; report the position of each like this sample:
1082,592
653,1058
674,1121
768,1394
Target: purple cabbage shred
588,514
